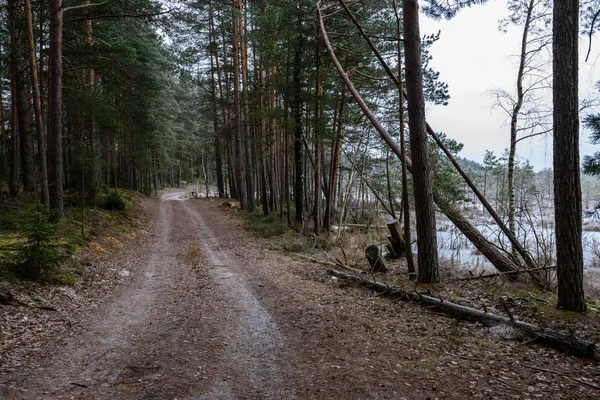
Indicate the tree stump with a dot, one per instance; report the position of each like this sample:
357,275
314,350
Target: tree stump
396,238
375,259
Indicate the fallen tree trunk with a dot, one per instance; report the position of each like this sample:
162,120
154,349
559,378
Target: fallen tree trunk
365,226
557,340
504,274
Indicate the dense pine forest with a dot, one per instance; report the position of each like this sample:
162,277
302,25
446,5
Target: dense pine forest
312,111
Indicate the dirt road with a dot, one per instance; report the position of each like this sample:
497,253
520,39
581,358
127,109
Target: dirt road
210,313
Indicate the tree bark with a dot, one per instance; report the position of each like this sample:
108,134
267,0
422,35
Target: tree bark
514,120
376,260
13,185
3,136
240,178
410,262
248,131
335,157
263,151
37,105
397,238
318,138
55,148
567,186
22,104
217,139
297,110
423,189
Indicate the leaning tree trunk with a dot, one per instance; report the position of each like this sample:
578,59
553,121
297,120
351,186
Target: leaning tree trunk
567,186
55,149
423,187
466,228
515,243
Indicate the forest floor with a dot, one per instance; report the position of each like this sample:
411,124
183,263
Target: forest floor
194,307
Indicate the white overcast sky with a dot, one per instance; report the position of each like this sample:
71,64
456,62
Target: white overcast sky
473,56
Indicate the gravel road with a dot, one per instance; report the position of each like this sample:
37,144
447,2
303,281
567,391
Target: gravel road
209,312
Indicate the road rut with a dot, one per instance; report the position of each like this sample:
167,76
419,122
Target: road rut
187,326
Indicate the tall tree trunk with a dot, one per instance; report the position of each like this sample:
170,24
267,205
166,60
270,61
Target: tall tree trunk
55,150
273,146
25,132
410,262
179,170
318,138
3,136
92,123
335,157
23,105
37,105
297,104
425,211
262,132
514,120
240,177
13,185
567,186
41,37
217,140
248,127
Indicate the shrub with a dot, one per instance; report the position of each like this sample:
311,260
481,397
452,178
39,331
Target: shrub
39,256
264,226
115,202
147,190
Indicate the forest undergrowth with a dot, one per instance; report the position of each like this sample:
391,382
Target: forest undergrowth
35,250
82,277
520,299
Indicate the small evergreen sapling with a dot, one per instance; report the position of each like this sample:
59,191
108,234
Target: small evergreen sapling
38,257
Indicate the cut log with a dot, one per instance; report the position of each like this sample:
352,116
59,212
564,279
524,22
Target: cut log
396,238
376,261
557,340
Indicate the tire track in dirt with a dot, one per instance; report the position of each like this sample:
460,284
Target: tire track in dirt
175,331
253,335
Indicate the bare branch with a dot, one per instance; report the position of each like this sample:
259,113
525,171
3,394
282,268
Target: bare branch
65,9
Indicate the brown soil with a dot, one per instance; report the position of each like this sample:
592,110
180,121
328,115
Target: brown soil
208,312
